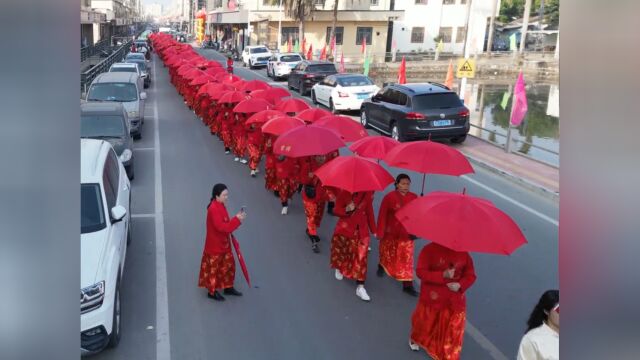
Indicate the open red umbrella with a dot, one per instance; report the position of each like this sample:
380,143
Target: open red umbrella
232,97
428,157
374,147
252,106
202,79
213,71
307,141
255,85
238,84
264,116
226,78
349,129
461,223
214,64
278,92
243,264
211,88
354,174
292,106
261,94
313,114
281,124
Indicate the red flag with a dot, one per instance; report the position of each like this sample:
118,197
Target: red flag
289,45
323,54
448,82
402,72
304,45
519,107
363,46
243,265
310,52
333,43
341,61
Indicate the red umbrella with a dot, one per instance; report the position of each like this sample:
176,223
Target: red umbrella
211,88
354,174
261,94
313,114
461,223
202,79
307,141
255,85
252,106
217,95
214,64
375,147
349,129
226,78
264,116
243,265
281,124
428,157
278,92
213,71
292,106
232,97
238,84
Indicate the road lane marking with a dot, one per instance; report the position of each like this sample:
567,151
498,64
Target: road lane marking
163,341
143,215
485,343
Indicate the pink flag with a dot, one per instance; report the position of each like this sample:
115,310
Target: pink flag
520,107
341,61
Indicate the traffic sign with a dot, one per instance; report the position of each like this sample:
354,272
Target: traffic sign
466,68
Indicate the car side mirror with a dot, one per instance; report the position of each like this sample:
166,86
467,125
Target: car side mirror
118,213
143,95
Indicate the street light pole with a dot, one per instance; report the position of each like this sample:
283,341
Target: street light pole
525,25
463,83
279,25
494,7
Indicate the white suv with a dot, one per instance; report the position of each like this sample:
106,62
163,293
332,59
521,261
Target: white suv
105,198
280,65
253,56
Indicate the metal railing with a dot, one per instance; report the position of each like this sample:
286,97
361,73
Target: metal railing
118,55
88,51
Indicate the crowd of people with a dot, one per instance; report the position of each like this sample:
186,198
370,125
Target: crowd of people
438,321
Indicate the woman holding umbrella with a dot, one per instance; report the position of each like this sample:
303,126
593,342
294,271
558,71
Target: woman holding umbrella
255,146
286,180
314,196
396,245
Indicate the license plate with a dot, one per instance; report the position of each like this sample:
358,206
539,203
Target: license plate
363,96
442,122
292,65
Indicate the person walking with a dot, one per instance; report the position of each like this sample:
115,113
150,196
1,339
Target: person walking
225,117
350,241
229,64
313,197
542,338
286,180
218,267
255,146
396,245
239,134
437,323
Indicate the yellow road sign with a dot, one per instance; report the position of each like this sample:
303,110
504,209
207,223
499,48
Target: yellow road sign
466,68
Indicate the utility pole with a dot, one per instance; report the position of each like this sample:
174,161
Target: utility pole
463,83
525,25
279,25
494,8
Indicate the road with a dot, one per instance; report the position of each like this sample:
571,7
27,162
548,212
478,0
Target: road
296,308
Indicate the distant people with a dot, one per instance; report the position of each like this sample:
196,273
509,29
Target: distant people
542,338
437,323
230,64
218,267
396,245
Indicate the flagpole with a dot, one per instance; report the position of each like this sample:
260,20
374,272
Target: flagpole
279,24
463,83
507,146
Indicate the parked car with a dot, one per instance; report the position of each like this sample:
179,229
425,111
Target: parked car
134,56
343,91
108,121
144,71
125,88
128,67
280,65
253,56
105,199
417,111
308,73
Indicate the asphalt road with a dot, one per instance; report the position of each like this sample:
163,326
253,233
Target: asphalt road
296,308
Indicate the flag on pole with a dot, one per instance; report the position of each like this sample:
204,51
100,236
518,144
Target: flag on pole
505,100
402,72
448,82
440,46
323,54
367,64
310,52
519,107
296,47
512,42
289,45
333,43
304,45
363,45
341,61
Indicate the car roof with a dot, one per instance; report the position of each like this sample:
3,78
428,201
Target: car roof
92,157
117,77
423,88
347,75
122,64
288,53
102,108
255,46
317,62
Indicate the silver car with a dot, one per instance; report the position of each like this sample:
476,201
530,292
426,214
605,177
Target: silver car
280,65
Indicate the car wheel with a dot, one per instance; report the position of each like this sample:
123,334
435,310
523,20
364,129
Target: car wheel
332,108
250,64
459,140
268,72
395,133
289,85
114,338
363,118
129,234
313,98
301,89
131,174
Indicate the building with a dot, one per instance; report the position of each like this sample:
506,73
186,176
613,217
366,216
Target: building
123,15
428,20
93,24
357,20
153,10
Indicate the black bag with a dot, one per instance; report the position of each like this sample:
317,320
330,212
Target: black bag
310,191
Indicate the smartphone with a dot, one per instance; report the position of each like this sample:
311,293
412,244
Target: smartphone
243,209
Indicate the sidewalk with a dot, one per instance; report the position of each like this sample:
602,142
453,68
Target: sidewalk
529,173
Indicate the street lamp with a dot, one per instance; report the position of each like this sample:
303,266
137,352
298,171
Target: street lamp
279,25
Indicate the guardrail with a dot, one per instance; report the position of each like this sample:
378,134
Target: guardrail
88,51
118,55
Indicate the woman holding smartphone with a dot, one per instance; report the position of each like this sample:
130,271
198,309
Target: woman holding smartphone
218,267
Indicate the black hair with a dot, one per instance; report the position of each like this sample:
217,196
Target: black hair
400,177
540,313
216,191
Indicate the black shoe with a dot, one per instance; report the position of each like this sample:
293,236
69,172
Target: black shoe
232,291
315,247
276,193
330,207
410,290
216,296
380,271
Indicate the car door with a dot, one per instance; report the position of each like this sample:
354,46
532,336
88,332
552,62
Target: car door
389,101
375,107
271,63
294,76
119,187
324,90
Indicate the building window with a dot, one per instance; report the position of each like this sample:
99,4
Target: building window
448,2
269,2
462,2
318,2
339,35
445,34
289,32
364,32
417,35
217,4
460,35
374,2
422,2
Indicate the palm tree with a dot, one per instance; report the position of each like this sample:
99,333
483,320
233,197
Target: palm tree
298,10
335,20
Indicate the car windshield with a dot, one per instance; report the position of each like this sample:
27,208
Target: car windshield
123,69
354,81
321,68
121,92
436,101
258,50
290,58
91,210
102,126
137,56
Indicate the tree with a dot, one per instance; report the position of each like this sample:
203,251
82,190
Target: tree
335,20
513,9
299,10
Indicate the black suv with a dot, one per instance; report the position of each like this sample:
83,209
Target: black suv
308,73
417,111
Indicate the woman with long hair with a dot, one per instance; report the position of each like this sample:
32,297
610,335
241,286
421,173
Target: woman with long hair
542,338
218,267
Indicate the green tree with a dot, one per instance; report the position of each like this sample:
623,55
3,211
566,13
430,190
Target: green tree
514,9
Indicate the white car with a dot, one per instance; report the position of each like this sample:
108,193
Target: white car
258,55
342,92
280,65
129,67
105,232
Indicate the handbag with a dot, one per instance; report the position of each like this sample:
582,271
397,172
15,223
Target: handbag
310,191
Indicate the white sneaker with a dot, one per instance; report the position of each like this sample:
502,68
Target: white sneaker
361,292
253,173
339,275
285,210
413,346
244,161
236,159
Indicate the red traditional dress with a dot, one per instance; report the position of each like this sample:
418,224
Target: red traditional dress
313,207
286,177
225,117
396,248
212,119
255,144
350,242
218,267
239,135
439,318
270,182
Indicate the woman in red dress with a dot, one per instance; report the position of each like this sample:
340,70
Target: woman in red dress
396,245
286,180
239,137
439,318
350,242
218,267
270,182
255,144
225,117
314,196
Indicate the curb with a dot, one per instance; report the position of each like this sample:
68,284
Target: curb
537,188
